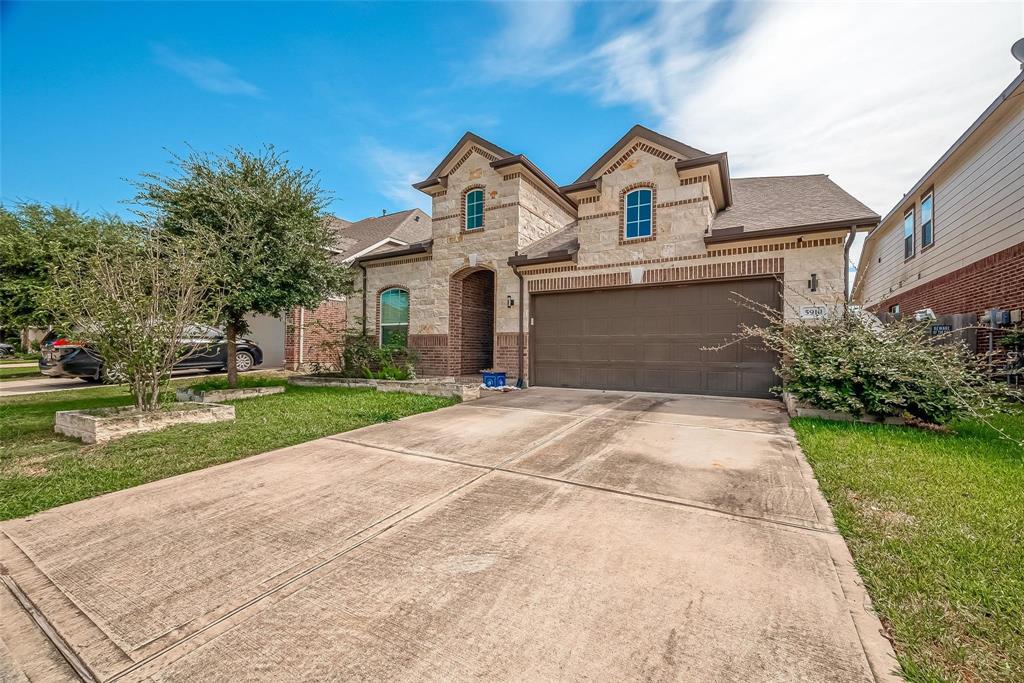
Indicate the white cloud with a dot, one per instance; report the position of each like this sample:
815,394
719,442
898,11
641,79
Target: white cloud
530,31
870,93
206,73
395,171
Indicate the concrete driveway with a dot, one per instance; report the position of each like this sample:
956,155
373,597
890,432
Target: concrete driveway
545,535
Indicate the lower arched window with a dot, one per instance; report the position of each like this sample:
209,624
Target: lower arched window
394,317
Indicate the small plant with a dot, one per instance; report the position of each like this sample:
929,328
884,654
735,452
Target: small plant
1013,339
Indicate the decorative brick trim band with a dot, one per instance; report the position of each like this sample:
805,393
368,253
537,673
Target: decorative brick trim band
428,341
589,200
511,176
708,271
435,219
495,207
599,215
694,180
469,153
642,185
681,202
717,253
508,340
398,262
642,147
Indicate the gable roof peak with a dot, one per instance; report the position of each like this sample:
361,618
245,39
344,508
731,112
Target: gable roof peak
469,137
638,131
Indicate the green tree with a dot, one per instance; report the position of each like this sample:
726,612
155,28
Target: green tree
130,301
272,238
34,240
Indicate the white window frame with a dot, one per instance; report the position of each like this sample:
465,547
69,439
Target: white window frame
639,221
408,314
912,236
929,196
481,203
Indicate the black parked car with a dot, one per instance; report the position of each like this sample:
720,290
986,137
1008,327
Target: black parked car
6,350
202,348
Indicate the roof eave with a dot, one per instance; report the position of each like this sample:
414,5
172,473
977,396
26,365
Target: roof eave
412,249
721,162
737,233
523,161
557,256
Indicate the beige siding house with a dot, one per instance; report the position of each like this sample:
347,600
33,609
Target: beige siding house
617,280
955,243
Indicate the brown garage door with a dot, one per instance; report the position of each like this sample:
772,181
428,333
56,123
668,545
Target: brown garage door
650,339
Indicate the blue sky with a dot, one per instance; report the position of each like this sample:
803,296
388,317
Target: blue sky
373,95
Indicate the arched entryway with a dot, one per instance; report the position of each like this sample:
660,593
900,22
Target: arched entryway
471,321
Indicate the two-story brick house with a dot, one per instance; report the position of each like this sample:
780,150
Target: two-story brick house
615,281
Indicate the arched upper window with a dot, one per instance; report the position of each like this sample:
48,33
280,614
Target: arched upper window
394,317
474,209
638,213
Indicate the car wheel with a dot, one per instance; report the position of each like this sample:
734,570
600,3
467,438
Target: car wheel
244,361
113,375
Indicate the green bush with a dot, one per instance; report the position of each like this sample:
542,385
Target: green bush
362,357
856,364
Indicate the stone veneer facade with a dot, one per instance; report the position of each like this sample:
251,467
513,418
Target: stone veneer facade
520,209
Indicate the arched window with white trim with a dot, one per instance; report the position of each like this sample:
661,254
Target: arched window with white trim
474,209
638,213
394,317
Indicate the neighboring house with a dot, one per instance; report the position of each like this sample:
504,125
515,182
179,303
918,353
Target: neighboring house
312,335
615,281
955,243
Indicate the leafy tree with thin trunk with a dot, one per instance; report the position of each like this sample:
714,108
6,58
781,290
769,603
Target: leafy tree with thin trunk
271,236
34,238
130,300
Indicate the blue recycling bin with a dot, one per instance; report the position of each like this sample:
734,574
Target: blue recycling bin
493,380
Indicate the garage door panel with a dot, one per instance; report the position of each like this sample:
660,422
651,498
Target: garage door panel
651,339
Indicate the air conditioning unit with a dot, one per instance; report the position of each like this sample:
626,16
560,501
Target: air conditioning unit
924,314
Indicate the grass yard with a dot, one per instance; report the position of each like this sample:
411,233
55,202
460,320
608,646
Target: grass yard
18,373
936,526
40,469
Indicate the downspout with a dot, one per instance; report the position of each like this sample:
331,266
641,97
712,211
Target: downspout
846,265
363,268
302,335
519,345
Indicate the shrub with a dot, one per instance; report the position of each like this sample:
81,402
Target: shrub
852,362
362,357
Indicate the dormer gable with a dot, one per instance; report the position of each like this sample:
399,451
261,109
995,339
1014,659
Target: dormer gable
468,144
689,163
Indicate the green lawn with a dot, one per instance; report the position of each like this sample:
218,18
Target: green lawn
40,470
936,526
18,373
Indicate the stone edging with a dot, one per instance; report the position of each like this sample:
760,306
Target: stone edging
218,395
797,408
428,387
93,428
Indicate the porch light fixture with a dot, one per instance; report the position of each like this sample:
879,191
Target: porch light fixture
472,260
812,284
636,276
509,301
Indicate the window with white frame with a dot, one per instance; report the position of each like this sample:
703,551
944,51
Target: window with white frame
638,213
474,209
927,220
394,317
908,234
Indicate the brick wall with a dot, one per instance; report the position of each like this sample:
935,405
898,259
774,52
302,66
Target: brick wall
995,281
432,354
321,331
477,341
506,356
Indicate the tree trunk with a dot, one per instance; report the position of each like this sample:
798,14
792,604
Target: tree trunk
232,335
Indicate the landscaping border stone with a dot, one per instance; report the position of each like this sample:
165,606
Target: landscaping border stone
92,426
430,387
187,395
797,408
